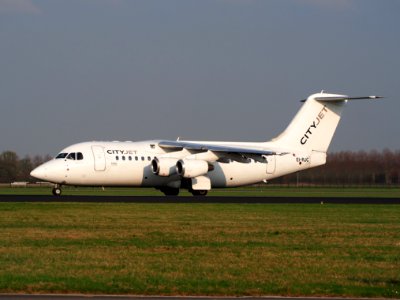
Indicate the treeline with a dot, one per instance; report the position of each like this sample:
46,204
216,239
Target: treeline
342,168
13,168
348,168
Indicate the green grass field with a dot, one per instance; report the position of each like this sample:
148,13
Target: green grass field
200,249
262,191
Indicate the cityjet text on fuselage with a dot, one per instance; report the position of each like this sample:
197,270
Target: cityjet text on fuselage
314,125
121,152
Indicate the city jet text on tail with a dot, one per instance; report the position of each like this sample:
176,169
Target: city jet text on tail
199,166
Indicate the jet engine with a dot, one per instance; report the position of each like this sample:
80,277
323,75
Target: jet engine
190,168
164,166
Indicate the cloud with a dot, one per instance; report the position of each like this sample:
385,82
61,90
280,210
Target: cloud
19,7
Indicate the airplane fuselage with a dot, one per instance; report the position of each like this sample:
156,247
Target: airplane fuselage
129,164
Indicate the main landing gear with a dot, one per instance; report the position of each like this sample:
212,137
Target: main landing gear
56,190
199,192
168,191
175,191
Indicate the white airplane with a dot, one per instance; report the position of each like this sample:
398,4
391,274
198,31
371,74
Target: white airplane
201,165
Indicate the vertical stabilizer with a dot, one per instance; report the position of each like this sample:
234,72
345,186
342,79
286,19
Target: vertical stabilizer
313,126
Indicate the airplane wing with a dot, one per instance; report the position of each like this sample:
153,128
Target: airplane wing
236,153
179,145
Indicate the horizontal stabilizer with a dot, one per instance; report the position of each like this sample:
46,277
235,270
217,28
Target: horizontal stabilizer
344,98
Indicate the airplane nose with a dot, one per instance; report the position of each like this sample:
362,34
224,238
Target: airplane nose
39,173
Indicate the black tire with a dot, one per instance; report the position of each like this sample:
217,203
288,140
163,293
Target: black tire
199,192
56,191
170,191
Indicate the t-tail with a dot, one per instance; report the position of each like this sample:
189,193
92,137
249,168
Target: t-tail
313,127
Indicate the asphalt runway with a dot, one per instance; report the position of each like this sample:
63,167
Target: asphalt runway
190,199
117,297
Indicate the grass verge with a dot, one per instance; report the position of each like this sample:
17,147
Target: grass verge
200,249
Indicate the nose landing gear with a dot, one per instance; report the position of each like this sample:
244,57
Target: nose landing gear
56,190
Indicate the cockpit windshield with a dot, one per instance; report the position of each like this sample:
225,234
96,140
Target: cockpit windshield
61,155
72,156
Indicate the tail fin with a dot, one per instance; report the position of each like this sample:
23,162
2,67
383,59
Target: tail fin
313,126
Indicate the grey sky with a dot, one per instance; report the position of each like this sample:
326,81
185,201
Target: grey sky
73,71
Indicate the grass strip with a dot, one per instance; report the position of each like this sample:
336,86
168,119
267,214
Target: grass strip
200,249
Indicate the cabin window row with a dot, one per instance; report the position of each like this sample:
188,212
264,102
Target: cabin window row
137,158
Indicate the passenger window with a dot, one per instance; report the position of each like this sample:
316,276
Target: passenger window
130,157
148,158
136,158
71,156
142,157
117,158
79,156
123,157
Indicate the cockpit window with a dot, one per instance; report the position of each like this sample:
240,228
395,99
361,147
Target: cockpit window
72,156
61,155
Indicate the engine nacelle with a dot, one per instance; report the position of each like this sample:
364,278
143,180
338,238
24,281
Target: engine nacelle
164,166
190,168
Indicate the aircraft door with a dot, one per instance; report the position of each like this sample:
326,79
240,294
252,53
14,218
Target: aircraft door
271,164
99,158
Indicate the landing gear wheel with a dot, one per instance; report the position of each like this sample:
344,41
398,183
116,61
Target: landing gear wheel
170,191
199,192
56,191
